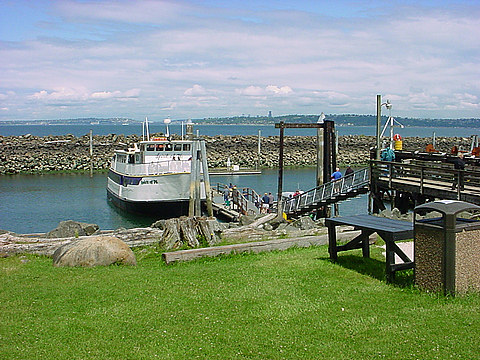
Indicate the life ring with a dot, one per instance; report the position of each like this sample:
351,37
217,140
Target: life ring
397,137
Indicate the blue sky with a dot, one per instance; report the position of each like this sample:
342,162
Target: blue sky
180,59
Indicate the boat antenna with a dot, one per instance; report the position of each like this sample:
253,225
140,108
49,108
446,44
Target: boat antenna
166,122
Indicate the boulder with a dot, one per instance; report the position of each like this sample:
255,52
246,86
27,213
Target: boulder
94,251
304,223
72,228
246,219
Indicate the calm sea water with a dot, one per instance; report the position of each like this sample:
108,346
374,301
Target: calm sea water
212,130
37,203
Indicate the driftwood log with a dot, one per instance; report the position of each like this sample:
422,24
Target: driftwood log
15,244
190,231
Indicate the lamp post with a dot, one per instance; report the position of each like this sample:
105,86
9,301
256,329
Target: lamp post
388,105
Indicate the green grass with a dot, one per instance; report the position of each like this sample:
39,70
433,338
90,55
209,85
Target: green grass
282,305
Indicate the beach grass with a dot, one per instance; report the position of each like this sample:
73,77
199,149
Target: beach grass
294,304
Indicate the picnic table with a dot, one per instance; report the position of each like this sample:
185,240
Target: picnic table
389,230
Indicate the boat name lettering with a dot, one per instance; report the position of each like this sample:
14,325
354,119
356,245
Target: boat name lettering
153,181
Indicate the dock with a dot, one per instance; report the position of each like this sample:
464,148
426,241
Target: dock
231,173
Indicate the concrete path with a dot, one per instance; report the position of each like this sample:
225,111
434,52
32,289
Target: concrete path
406,247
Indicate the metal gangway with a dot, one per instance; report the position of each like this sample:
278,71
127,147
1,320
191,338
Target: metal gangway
332,192
242,200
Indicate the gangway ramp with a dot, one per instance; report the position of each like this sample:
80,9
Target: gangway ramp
332,192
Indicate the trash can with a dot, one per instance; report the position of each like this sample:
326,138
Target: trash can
447,246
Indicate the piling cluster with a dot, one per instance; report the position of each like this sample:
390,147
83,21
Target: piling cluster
33,154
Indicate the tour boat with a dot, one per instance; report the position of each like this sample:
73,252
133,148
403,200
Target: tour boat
158,176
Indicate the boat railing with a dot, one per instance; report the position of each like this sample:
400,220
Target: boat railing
154,168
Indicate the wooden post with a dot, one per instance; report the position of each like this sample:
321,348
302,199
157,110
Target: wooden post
91,153
193,171
379,124
206,178
280,171
329,158
198,208
320,146
259,143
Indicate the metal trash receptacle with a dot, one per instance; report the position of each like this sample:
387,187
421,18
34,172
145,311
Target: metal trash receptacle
447,247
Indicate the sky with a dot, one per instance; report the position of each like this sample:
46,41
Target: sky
197,59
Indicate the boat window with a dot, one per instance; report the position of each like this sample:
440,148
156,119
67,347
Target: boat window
131,159
178,147
150,147
127,180
121,158
142,147
186,147
114,177
137,158
168,147
160,147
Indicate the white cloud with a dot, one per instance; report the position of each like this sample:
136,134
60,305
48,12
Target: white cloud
263,91
182,55
284,90
196,90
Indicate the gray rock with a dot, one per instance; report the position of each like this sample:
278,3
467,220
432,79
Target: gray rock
396,214
304,223
267,227
275,222
72,228
95,251
246,219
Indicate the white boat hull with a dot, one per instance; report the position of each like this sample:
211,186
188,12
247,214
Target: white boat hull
164,196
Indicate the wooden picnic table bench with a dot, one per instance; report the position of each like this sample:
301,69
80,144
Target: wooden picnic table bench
389,230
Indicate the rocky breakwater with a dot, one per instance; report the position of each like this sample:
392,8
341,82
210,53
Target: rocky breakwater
33,154
301,150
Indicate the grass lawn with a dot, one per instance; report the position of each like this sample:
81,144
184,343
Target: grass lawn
282,305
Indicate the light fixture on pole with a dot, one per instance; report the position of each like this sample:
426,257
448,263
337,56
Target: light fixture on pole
390,122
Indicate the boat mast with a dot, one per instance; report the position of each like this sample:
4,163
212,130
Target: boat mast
145,132
166,122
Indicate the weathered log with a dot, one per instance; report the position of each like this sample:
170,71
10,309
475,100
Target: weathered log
15,244
255,247
171,236
189,232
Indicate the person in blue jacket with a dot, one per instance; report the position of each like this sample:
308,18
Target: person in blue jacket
336,175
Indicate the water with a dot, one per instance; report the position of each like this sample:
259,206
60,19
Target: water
37,203
212,130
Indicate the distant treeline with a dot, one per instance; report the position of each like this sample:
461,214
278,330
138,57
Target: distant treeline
346,119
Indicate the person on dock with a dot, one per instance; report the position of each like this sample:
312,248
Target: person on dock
336,175
459,165
265,205
348,171
270,201
226,194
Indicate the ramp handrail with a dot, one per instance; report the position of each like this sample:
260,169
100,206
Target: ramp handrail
241,197
328,191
